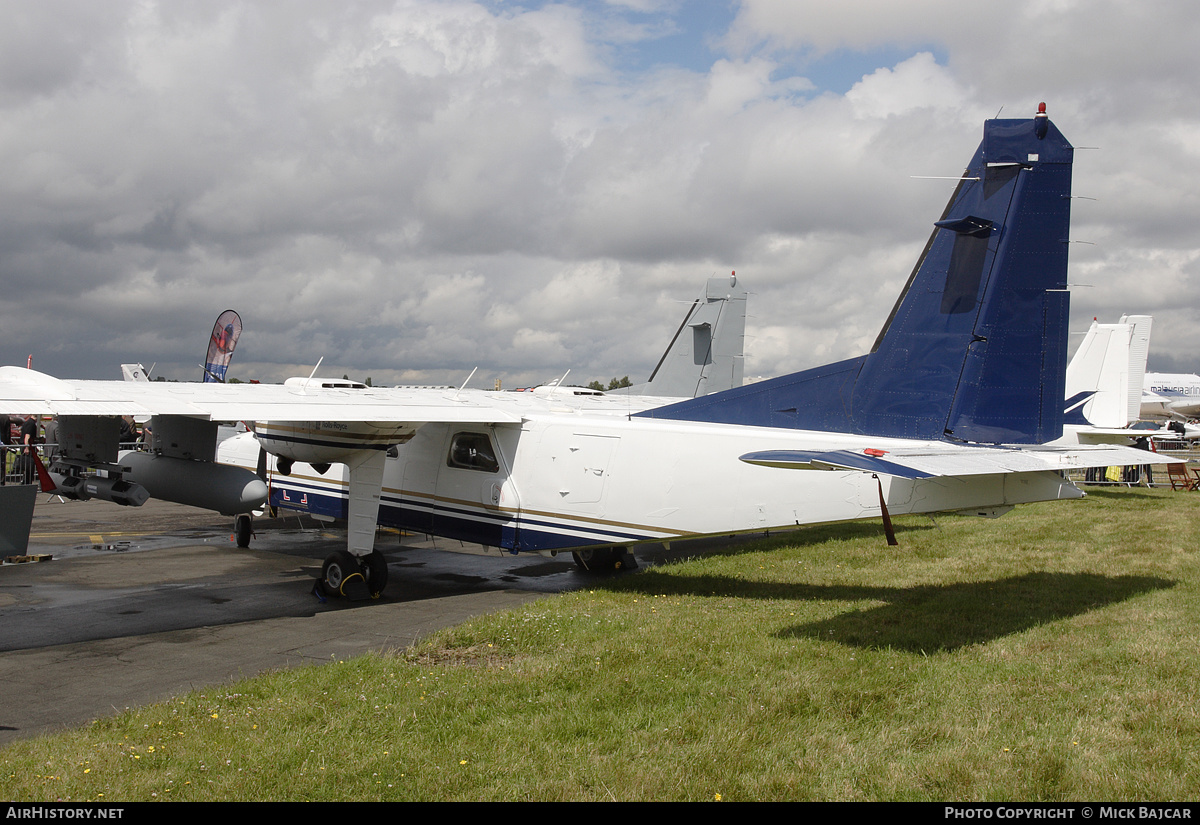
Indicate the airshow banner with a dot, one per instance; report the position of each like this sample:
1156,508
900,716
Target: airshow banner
220,347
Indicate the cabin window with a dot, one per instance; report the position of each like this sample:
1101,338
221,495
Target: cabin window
472,451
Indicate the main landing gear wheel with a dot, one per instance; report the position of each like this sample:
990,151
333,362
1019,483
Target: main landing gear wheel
243,529
374,568
604,559
341,575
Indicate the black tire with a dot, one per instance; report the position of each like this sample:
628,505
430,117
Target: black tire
596,559
338,569
243,528
375,569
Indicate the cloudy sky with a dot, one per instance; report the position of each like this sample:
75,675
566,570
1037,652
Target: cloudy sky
413,189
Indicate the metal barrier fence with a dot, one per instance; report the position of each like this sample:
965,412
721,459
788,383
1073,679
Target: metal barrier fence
1150,474
15,470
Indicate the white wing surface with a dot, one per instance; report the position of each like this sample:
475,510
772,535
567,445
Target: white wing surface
27,391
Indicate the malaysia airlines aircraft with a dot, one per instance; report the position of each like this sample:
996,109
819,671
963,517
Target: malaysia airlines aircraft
1171,395
972,358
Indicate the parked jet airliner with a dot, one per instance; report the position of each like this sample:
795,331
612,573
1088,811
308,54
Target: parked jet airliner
1171,395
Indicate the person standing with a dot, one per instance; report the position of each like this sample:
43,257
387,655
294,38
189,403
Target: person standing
29,434
50,430
28,457
6,441
1144,443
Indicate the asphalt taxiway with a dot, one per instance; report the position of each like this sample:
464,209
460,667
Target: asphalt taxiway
140,604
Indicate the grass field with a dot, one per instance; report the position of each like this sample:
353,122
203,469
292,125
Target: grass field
1047,655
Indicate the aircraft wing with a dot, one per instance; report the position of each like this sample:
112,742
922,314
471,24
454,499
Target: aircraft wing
952,460
26,391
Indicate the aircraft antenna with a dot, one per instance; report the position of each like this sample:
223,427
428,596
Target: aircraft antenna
559,383
464,383
311,374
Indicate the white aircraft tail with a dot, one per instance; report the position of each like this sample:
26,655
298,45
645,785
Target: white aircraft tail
1104,378
134,372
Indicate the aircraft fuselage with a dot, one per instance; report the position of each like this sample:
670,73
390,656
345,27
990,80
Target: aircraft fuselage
558,481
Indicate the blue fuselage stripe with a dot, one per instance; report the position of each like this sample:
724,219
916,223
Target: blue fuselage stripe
506,530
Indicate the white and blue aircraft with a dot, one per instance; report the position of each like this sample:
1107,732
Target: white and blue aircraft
946,413
1108,390
1104,383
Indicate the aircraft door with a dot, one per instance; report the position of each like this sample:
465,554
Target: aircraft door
476,498
580,467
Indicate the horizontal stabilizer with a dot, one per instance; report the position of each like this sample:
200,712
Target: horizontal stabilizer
834,460
956,461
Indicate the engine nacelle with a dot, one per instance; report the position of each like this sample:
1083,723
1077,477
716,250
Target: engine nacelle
205,484
329,442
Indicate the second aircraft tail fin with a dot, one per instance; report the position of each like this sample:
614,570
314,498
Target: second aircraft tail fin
1105,376
705,355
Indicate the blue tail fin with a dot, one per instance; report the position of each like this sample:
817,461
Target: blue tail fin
975,348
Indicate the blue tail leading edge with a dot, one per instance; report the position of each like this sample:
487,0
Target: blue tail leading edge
975,348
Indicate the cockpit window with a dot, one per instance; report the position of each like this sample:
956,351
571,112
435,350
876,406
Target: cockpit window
472,451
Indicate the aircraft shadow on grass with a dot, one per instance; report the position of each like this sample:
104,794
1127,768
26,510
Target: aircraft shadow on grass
946,617
930,618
